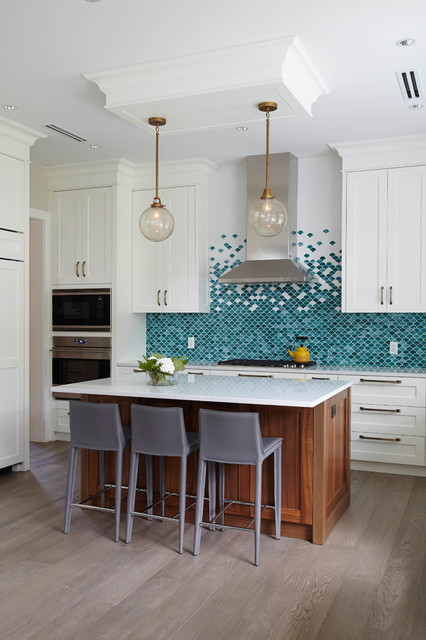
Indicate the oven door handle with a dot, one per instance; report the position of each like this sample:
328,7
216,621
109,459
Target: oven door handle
81,354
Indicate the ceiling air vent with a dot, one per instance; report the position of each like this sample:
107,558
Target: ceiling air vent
410,84
64,132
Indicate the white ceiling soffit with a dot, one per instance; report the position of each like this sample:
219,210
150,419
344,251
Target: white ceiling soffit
216,88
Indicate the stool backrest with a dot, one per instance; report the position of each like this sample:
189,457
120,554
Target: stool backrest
158,431
96,426
232,437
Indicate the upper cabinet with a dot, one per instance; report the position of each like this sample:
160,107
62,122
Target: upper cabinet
384,230
172,276
385,240
82,249
12,193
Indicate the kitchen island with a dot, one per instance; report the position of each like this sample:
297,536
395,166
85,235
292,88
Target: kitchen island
313,417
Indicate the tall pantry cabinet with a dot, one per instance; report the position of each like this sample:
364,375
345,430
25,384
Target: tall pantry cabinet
15,142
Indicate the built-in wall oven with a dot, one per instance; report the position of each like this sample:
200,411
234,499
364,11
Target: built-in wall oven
76,359
81,310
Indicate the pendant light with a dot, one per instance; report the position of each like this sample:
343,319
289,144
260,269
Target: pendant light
156,223
268,216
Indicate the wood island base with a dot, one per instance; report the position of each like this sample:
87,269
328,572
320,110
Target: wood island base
315,464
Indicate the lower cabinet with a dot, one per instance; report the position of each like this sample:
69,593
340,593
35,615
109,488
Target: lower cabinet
388,419
61,419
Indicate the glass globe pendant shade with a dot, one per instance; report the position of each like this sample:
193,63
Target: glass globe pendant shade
156,223
268,216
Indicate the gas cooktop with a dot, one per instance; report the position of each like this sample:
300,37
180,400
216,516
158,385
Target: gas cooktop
285,364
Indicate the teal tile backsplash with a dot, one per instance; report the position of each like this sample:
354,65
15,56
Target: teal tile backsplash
261,321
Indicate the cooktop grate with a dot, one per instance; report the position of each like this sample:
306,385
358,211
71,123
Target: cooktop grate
285,364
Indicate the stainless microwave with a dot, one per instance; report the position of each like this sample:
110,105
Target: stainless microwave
81,310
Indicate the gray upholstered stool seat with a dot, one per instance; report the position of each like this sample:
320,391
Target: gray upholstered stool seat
234,438
158,431
97,427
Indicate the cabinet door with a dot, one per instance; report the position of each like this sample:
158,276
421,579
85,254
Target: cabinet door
407,239
366,241
146,261
179,273
67,260
12,191
12,366
96,247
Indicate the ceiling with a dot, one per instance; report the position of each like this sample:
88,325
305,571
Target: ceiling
46,47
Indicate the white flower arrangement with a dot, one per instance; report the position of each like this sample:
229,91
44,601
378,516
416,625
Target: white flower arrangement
160,368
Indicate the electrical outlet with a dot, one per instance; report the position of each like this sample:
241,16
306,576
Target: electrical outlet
191,343
393,348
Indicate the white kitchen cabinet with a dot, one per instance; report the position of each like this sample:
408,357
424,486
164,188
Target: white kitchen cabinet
82,248
384,259
12,361
388,422
12,193
171,276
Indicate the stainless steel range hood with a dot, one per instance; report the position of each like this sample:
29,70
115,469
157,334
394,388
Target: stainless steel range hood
270,259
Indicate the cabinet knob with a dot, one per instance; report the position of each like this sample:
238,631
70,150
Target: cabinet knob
77,264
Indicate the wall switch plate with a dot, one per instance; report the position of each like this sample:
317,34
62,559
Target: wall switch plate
393,348
191,343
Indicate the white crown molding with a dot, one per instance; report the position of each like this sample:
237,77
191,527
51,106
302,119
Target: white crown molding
277,68
82,175
16,139
374,154
123,173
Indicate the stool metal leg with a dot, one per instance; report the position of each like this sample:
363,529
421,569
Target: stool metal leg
221,491
162,484
72,464
277,491
182,501
149,485
102,476
212,490
199,505
257,512
118,476
131,493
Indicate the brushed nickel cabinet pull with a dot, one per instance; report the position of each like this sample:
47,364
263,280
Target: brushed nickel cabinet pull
249,375
138,371
195,373
158,297
380,410
390,295
381,439
165,298
381,381
83,268
318,378
381,294
77,264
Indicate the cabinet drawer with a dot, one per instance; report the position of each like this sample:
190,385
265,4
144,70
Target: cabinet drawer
408,421
378,390
11,245
376,447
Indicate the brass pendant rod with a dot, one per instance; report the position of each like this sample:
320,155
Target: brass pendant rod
267,152
157,135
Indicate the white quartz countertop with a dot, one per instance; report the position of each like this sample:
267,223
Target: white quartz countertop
271,391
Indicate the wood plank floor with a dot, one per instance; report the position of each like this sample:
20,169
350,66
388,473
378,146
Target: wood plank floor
367,582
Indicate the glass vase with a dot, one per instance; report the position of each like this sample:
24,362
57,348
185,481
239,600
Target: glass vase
158,379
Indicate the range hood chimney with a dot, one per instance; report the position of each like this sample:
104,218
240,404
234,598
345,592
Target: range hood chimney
270,259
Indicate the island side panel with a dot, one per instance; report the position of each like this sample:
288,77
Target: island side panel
331,468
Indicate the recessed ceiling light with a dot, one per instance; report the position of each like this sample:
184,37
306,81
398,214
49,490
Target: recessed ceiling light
94,146
405,42
416,106
241,128
10,107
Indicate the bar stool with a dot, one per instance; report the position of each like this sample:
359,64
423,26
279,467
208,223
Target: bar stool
158,431
234,438
97,427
